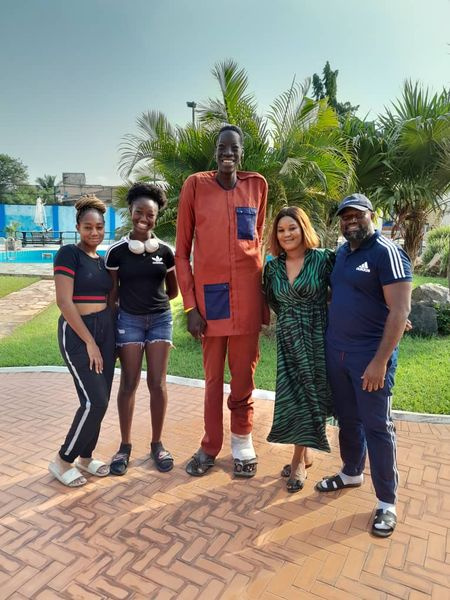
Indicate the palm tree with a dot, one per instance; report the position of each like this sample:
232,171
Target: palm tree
369,145
298,146
165,155
311,160
46,187
416,155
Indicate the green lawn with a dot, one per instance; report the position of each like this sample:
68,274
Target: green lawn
420,279
12,284
33,343
423,380
422,383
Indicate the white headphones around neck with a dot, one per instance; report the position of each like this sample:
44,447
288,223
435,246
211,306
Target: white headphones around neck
138,247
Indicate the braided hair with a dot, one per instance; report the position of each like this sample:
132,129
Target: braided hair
87,203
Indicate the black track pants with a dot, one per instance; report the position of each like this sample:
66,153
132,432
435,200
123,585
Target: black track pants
93,388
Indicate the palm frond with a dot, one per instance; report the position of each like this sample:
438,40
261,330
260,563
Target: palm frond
235,103
298,146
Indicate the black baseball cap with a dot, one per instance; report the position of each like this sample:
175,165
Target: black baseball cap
358,201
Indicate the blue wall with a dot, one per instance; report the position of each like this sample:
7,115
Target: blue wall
55,219
24,214
59,218
2,218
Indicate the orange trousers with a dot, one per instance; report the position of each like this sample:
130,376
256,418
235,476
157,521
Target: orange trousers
243,355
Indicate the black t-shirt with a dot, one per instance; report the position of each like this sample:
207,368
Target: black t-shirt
141,277
91,281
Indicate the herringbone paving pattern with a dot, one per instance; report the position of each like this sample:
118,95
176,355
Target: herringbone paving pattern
168,536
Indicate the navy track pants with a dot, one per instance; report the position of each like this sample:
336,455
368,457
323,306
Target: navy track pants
365,423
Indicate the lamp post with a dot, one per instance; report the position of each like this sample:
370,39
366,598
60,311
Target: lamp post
192,105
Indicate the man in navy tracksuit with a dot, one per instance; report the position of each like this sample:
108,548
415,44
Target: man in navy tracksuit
371,294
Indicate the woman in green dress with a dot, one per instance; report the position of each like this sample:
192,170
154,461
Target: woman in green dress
296,288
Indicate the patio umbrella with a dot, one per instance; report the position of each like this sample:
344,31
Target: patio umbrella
39,214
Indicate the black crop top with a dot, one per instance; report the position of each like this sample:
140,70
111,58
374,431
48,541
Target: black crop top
91,281
141,277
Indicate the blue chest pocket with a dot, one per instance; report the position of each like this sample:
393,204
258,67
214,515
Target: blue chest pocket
217,301
246,222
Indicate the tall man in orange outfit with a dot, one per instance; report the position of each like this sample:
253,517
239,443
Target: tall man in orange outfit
222,212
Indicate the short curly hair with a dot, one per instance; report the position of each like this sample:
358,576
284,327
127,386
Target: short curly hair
147,190
234,128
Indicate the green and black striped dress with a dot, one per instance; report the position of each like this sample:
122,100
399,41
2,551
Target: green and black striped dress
302,397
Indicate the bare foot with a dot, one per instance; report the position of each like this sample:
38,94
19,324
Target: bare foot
296,482
300,472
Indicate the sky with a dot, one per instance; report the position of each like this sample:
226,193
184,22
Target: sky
76,74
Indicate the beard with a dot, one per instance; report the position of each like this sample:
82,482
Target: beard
356,235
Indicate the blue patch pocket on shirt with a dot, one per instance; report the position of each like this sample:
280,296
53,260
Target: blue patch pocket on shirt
246,222
217,301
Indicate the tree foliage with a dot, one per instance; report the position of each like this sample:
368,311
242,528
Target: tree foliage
438,242
416,155
403,160
298,145
46,187
326,87
312,150
13,176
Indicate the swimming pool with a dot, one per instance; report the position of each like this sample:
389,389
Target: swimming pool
37,255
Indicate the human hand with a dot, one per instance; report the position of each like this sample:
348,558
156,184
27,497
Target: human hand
196,324
95,357
373,376
408,326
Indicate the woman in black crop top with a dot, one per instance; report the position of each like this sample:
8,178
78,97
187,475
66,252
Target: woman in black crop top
86,339
143,270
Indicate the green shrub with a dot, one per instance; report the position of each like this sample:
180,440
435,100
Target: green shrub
438,242
443,319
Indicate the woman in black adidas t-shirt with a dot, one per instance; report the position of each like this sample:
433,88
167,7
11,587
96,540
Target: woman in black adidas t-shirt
86,341
143,271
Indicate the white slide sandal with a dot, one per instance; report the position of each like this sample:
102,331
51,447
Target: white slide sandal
93,468
69,477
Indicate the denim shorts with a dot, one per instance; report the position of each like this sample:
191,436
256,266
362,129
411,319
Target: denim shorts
143,329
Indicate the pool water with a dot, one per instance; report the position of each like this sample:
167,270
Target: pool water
42,255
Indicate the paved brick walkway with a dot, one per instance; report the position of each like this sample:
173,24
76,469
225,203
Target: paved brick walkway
18,307
168,536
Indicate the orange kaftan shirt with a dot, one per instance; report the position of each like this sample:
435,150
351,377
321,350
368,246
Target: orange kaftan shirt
226,227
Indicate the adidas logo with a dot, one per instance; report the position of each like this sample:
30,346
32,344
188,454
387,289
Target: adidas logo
157,260
364,267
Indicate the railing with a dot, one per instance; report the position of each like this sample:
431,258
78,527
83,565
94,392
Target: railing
52,238
41,238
